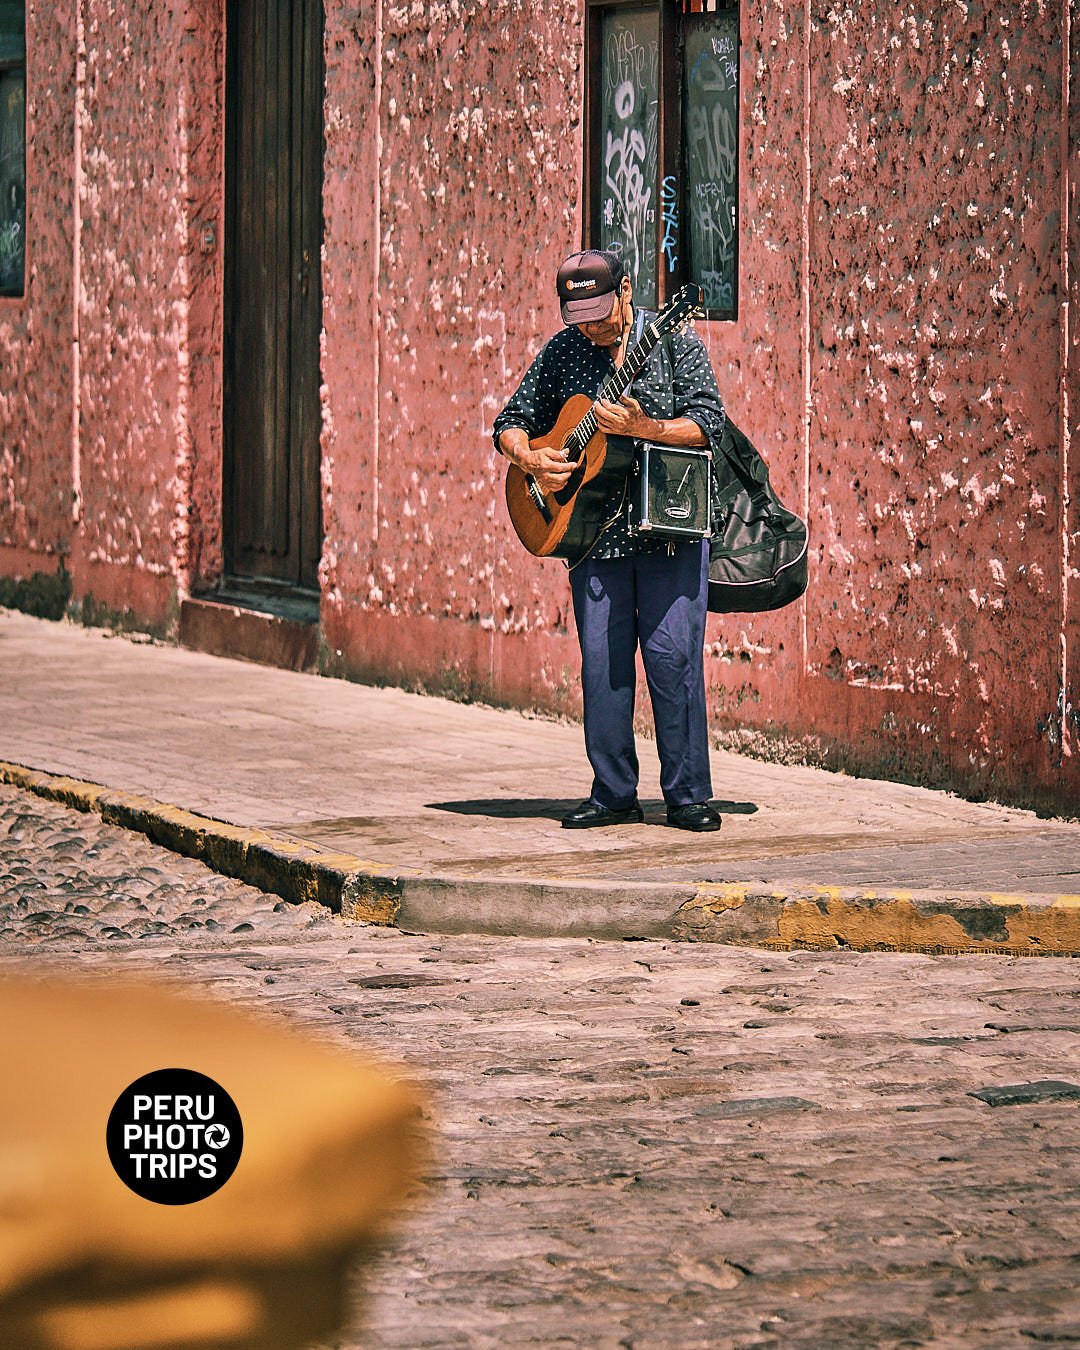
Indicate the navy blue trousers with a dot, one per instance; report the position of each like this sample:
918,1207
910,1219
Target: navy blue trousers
658,600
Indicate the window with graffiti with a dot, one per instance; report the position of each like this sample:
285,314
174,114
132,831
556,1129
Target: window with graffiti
662,153
629,119
12,146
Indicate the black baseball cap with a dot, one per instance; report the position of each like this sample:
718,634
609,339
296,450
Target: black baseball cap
586,282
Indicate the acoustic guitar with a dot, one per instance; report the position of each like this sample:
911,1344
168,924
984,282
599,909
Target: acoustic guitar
566,524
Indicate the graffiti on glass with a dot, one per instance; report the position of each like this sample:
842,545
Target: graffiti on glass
628,205
669,205
12,185
712,148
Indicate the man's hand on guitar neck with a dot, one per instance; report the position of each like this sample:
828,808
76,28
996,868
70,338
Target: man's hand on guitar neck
628,418
548,466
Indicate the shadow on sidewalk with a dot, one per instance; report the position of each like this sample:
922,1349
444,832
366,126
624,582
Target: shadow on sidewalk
509,808
547,808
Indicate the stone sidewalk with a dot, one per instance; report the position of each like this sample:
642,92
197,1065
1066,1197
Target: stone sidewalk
439,816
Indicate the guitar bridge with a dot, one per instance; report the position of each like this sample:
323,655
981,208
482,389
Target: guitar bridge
538,501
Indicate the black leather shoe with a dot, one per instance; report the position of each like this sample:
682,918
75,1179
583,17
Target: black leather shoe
592,813
699,816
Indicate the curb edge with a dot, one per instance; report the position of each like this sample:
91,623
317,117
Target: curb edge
807,917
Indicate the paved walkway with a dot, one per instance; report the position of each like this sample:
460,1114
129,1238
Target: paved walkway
444,816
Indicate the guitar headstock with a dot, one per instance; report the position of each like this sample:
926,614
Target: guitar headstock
681,310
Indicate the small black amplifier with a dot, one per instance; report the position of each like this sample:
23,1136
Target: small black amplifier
669,492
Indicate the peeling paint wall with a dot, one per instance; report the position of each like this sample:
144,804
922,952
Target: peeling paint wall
147,413
903,207
899,356
111,401
452,182
935,294
36,329
1068,252
904,354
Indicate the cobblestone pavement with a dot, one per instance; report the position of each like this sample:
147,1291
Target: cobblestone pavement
643,1144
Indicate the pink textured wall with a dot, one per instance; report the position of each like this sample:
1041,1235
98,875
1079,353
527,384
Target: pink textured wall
36,329
935,293
903,354
936,249
452,177
149,407
111,413
899,355
1069,401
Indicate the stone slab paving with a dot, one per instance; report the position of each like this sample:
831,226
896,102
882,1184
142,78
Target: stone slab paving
642,1143
445,788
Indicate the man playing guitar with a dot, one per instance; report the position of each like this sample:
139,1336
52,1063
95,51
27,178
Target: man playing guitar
628,589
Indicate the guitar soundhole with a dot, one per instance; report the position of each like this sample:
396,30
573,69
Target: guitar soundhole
566,494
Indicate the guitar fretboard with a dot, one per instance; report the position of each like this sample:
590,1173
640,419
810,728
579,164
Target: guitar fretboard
616,384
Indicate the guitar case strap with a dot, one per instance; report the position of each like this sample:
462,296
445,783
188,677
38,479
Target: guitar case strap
639,328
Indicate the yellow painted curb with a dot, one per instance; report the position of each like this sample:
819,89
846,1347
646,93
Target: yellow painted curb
831,918
282,866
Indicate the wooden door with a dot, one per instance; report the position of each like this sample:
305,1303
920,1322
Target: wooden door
273,235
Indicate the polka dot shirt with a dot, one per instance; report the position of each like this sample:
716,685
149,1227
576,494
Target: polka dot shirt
676,381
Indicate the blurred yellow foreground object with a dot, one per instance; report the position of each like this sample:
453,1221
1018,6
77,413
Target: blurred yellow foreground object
331,1146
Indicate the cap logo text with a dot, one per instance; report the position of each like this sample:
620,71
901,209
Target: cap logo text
581,285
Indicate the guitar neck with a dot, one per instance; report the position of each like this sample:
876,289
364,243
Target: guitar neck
619,381
616,384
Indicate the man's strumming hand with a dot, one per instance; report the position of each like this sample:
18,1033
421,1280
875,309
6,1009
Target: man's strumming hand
548,466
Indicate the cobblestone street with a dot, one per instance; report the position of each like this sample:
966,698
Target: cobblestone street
642,1143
